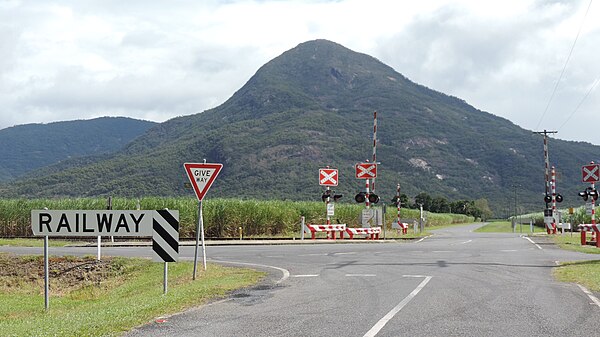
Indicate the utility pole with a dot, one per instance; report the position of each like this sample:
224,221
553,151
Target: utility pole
546,161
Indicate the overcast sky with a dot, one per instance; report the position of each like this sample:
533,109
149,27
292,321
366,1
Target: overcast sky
154,60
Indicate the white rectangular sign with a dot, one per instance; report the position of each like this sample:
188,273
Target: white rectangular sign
330,209
92,223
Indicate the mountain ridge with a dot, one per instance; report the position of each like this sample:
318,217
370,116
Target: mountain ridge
312,106
24,148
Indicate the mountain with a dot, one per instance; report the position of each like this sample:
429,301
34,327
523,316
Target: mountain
28,147
313,106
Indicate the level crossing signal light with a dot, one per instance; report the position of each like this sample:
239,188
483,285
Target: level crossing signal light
589,192
548,198
362,197
331,194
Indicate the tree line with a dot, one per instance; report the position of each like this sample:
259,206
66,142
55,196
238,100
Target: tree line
476,208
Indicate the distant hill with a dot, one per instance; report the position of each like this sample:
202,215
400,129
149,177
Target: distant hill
312,106
24,148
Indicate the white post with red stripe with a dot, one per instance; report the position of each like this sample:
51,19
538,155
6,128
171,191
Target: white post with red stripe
553,186
593,205
374,145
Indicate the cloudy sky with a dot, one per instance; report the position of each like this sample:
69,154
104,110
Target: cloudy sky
154,60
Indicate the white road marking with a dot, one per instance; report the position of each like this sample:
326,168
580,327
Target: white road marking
509,250
382,322
285,272
528,239
590,295
420,240
361,275
307,275
318,254
462,243
348,253
443,251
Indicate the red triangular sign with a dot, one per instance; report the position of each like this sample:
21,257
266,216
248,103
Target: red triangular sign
202,176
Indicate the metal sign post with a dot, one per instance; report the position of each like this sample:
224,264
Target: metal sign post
202,176
165,277
46,281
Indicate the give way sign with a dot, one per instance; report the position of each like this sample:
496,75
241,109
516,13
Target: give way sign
366,170
590,173
328,177
202,176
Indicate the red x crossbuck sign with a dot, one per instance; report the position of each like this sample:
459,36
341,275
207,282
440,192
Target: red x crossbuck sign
590,173
366,170
328,177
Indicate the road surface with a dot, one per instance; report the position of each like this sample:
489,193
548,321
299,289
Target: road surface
455,283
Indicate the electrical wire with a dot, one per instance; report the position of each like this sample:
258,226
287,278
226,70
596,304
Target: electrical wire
596,82
564,67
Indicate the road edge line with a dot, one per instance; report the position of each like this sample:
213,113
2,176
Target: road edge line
383,321
528,239
285,272
590,295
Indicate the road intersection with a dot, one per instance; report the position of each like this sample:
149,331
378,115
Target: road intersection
455,283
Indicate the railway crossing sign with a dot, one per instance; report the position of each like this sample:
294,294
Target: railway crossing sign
328,177
161,225
590,173
202,176
366,170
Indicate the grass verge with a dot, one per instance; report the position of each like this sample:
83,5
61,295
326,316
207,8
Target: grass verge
128,293
35,242
573,242
586,273
504,227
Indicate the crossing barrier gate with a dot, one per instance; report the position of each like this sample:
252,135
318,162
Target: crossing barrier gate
584,228
330,229
372,232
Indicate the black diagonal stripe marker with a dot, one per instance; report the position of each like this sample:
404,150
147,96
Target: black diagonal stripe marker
171,241
169,218
162,253
165,239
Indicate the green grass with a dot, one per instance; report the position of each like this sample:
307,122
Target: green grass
573,242
116,306
35,242
586,273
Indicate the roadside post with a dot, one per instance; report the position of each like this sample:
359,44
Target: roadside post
329,177
590,174
302,222
161,225
202,176
46,281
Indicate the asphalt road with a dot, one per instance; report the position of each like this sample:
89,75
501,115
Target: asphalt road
456,283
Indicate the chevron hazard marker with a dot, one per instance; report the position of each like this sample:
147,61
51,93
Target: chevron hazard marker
165,235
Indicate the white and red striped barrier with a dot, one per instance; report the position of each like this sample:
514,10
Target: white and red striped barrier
330,229
372,232
404,227
584,228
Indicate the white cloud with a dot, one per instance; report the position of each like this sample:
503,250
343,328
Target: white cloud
61,60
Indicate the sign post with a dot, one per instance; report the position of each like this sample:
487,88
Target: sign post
366,171
202,176
328,177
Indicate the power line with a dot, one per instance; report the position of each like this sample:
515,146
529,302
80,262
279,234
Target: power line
564,67
581,102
